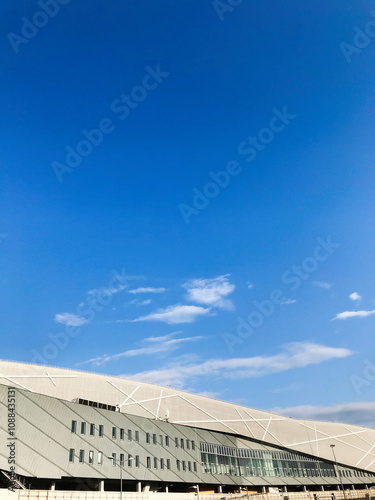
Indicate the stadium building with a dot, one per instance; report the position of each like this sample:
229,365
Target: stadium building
83,431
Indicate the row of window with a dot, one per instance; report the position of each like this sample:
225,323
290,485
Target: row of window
247,453
156,463
91,429
357,473
165,440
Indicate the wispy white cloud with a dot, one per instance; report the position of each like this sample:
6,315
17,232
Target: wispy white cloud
140,302
293,355
70,319
106,291
249,285
355,296
154,345
288,302
322,284
354,314
362,413
148,289
176,314
210,292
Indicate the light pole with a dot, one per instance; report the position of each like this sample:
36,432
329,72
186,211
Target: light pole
114,463
197,490
337,470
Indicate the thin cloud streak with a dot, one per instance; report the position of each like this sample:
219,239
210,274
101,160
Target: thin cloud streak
322,284
148,289
210,292
70,319
354,314
294,355
175,314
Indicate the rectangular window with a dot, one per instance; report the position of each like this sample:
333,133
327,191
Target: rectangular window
74,426
100,458
122,434
83,427
136,436
92,429
176,442
178,464
81,456
137,460
113,459
91,457
161,440
166,440
189,466
187,444
71,455
195,466
192,445
182,443
168,463
121,459
155,463
184,465
113,432
154,438
130,435
148,462
101,431
130,460
162,463
147,437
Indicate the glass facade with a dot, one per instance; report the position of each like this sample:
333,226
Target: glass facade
217,459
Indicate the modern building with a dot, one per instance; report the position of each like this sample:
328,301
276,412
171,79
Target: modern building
77,430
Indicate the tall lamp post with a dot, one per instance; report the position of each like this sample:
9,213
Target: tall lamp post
334,456
114,463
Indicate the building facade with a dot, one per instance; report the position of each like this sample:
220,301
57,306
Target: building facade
83,431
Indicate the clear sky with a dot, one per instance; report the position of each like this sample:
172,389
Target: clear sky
187,196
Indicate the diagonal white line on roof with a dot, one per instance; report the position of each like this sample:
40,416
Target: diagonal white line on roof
51,379
123,392
157,411
206,412
244,421
360,437
226,420
150,399
266,430
128,397
258,422
365,455
16,383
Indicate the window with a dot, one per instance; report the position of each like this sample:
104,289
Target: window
129,434
74,426
162,463
176,442
100,458
192,445
161,440
92,429
166,440
154,438
195,466
137,460
83,427
187,444
189,466
147,437
122,434
168,463
113,459
184,465
182,443
71,455
136,436
113,432
91,457
121,459
155,463
130,460
101,431
81,456
148,462
178,464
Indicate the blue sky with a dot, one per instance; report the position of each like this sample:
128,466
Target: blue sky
187,196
